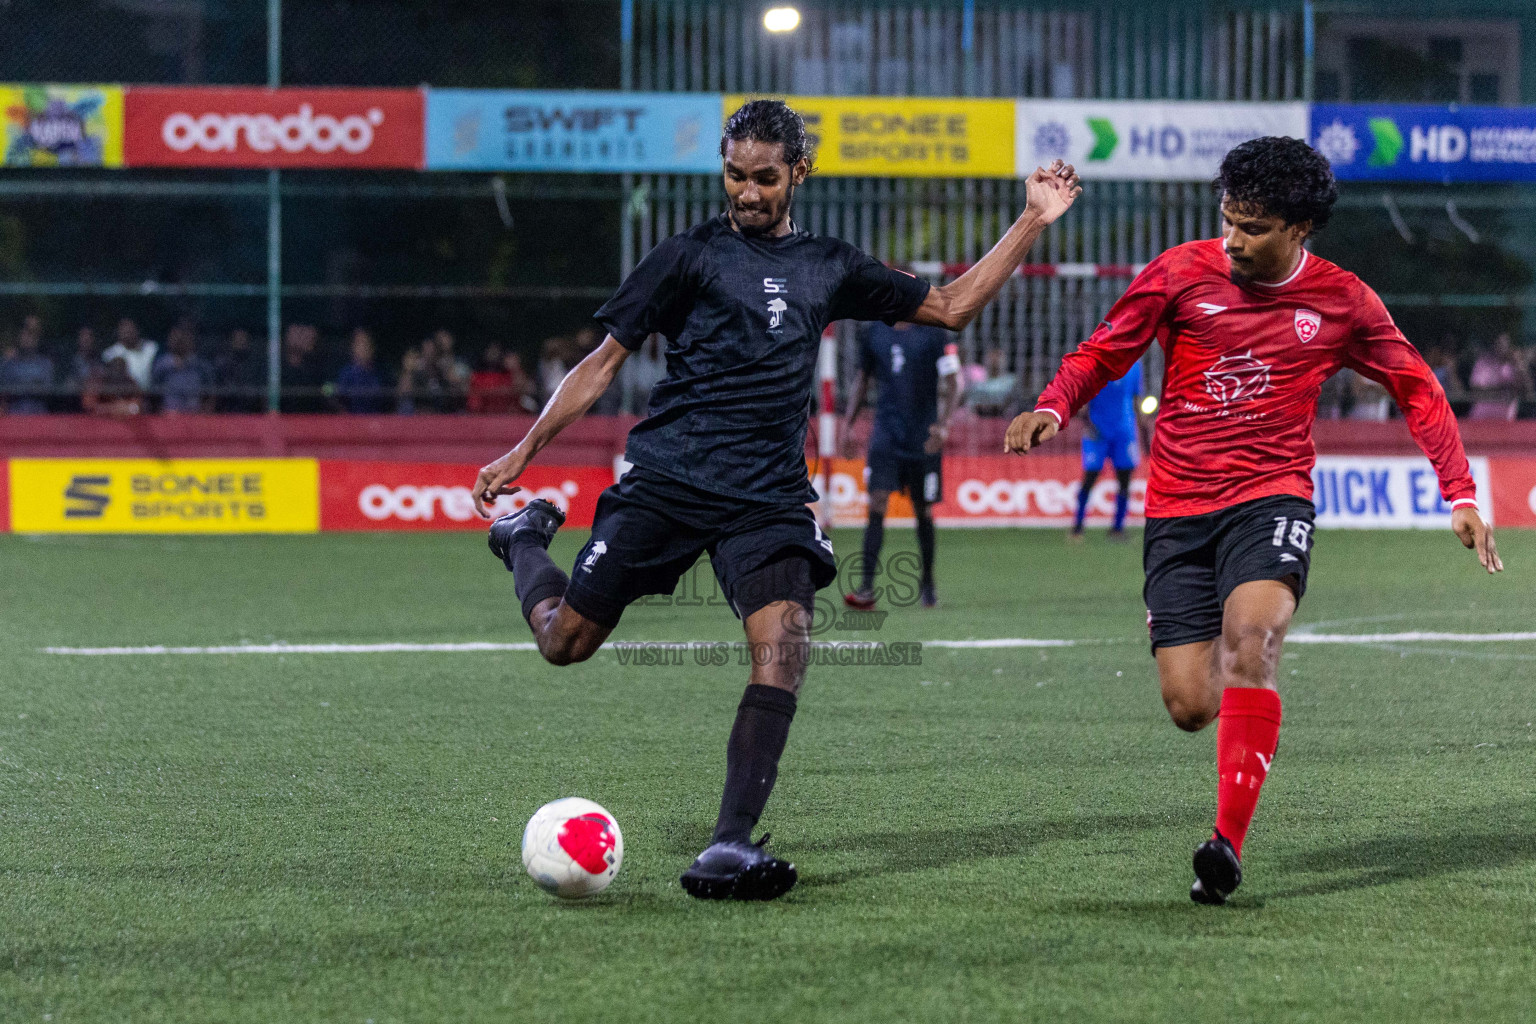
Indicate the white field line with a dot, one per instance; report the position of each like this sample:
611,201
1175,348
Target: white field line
1000,642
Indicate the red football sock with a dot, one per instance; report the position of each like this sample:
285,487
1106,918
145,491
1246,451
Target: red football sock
1245,744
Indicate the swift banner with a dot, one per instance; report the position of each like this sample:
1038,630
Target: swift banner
882,136
1145,141
1390,142
487,130
230,127
62,126
164,496
436,496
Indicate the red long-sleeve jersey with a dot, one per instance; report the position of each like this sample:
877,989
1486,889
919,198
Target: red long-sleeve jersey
1245,365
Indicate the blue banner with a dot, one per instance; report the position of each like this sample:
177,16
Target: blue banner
1393,142
605,132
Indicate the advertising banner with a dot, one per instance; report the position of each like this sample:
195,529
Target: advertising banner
5,497
164,496
239,127
62,126
886,136
1145,141
1398,142
436,496
1514,491
1390,492
490,130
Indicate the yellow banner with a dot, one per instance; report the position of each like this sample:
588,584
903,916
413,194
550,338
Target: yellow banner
61,125
165,496
889,136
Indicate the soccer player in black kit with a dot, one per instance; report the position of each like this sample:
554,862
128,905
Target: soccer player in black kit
719,463
918,372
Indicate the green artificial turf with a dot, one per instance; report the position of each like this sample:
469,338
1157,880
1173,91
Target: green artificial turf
989,835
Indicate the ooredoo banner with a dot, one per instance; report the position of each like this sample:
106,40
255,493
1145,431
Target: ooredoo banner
316,128
1513,482
436,496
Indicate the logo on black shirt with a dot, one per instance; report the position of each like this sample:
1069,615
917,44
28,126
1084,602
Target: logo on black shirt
776,286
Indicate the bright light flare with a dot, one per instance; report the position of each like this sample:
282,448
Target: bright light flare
781,19
1149,405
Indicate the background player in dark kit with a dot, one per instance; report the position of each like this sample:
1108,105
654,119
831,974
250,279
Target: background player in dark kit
917,370
720,461
1252,324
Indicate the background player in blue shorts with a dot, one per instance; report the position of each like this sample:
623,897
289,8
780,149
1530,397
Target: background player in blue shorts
1113,433
917,371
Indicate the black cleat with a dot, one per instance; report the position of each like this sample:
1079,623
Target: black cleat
1217,871
536,521
738,871
929,596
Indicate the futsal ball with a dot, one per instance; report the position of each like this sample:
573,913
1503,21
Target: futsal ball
572,848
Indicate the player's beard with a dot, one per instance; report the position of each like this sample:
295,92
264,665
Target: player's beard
773,225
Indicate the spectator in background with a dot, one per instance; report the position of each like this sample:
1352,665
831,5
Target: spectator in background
1372,403
303,382
26,375
1442,360
240,372
359,388
137,352
453,371
554,364
490,386
422,388
992,396
111,390
522,384
76,368
1499,381
182,379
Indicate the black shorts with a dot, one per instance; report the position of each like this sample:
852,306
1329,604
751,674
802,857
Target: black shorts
922,477
650,529
1194,563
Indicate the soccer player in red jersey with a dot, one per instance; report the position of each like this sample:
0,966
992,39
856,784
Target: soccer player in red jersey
1252,324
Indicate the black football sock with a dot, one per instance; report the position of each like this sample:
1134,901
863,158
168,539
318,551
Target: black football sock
925,541
535,576
752,759
874,537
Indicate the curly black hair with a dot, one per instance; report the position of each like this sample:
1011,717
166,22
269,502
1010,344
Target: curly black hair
1281,176
769,121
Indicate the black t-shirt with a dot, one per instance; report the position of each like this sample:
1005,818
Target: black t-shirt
743,318
905,363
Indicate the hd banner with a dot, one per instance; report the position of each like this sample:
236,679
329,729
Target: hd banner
62,125
164,496
606,132
1142,140
899,137
1390,142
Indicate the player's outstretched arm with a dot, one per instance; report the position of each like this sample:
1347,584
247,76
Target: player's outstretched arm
954,305
581,387
1478,536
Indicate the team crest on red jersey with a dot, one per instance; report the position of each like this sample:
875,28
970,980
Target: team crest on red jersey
1237,378
1308,324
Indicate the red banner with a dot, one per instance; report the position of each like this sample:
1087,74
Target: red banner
436,495
224,127
1513,482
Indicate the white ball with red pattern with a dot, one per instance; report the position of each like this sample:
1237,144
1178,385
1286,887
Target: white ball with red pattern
572,848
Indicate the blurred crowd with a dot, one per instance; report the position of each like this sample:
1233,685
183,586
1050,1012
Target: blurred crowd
195,373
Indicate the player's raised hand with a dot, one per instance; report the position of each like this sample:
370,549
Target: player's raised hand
496,478
1478,536
1029,429
1052,191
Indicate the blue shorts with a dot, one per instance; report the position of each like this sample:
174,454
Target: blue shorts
1123,450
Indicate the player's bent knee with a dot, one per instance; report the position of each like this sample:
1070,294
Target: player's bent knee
1249,651
1191,713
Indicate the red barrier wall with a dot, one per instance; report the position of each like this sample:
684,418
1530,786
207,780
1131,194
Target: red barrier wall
593,441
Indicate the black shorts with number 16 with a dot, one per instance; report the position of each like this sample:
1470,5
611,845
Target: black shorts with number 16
1193,563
